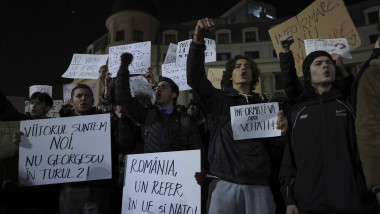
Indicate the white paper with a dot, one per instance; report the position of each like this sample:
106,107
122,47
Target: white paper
162,183
177,73
41,88
254,121
171,54
337,46
141,57
85,66
62,150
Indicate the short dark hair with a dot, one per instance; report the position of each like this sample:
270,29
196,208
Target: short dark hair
173,85
83,86
230,66
42,97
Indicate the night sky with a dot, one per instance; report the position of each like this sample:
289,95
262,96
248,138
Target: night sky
39,37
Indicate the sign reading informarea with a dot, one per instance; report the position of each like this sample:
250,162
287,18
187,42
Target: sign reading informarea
85,66
141,57
254,121
323,19
162,183
63,150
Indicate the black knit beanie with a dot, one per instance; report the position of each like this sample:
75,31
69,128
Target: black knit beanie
309,59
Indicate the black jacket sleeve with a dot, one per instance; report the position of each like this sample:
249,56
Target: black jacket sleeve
7,111
129,105
288,76
287,175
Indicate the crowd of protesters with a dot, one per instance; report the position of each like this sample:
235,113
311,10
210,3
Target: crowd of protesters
327,159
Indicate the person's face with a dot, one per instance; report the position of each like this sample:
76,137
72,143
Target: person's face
192,110
102,72
164,94
38,109
322,71
82,101
242,74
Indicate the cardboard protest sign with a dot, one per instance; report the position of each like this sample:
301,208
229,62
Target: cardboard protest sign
41,88
141,57
177,73
323,19
85,66
67,88
215,76
171,54
63,150
337,46
7,147
54,110
184,46
254,121
139,84
162,183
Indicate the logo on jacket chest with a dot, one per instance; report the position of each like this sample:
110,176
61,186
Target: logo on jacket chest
341,113
304,116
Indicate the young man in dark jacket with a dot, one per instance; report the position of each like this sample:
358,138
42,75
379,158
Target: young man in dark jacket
321,170
165,129
241,168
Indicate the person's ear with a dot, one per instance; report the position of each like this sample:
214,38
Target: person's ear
47,109
174,95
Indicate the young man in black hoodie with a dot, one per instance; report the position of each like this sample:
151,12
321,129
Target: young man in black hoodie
240,168
321,170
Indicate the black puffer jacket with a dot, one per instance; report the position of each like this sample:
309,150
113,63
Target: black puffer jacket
321,169
240,161
153,139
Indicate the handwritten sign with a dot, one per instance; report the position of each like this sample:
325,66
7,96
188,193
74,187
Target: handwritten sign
62,150
254,121
140,85
54,110
323,19
337,46
85,66
215,76
141,57
67,88
7,147
184,47
41,88
171,54
162,183
177,73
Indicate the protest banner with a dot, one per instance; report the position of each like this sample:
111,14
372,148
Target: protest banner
162,183
139,85
215,76
62,150
184,46
7,147
85,66
54,110
177,73
171,54
141,57
336,46
67,88
323,19
41,88
254,121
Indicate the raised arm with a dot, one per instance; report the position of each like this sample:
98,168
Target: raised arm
124,98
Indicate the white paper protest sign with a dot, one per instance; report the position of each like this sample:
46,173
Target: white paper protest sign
141,57
171,54
210,52
41,88
177,73
85,66
139,85
54,110
337,46
67,88
184,47
62,150
254,121
162,183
